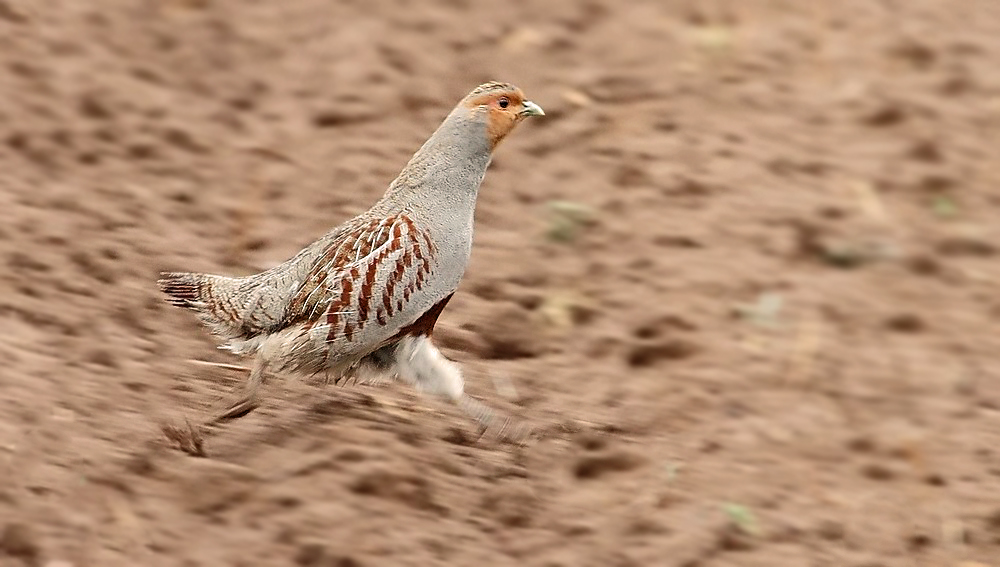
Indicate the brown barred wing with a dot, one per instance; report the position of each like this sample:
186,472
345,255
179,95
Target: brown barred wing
364,278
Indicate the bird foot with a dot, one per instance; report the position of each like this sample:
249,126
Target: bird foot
237,410
188,439
508,430
495,425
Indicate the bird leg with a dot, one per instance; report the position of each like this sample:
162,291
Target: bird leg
422,365
250,400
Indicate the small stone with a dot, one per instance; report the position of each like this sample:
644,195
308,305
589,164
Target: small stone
19,540
831,530
596,466
310,554
878,471
905,323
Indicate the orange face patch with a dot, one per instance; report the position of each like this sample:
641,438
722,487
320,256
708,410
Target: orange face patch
504,108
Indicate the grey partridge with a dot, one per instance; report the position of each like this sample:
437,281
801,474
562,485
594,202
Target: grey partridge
363,299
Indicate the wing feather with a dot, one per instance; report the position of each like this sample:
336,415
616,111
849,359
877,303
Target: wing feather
363,277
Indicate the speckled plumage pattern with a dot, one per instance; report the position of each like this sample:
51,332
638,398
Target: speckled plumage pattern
365,296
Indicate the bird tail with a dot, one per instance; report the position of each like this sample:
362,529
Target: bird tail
182,289
213,298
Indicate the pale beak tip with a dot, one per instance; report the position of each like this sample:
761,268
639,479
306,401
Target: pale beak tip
532,109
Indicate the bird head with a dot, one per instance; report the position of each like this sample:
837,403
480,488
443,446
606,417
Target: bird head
502,105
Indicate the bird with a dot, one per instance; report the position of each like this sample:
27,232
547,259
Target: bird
362,300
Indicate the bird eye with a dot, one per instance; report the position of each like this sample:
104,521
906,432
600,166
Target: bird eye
503,102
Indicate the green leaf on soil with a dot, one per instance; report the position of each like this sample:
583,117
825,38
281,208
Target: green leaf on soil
742,517
566,219
764,311
944,207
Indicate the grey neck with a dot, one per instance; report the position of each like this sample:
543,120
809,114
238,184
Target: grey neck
448,169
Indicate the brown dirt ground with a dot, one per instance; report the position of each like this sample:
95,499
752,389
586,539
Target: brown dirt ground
770,340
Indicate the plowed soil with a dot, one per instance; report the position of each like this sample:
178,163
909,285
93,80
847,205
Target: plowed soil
742,277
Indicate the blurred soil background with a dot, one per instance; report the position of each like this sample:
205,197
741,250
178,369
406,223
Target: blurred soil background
743,275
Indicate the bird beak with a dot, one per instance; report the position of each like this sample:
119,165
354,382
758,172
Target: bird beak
531,109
